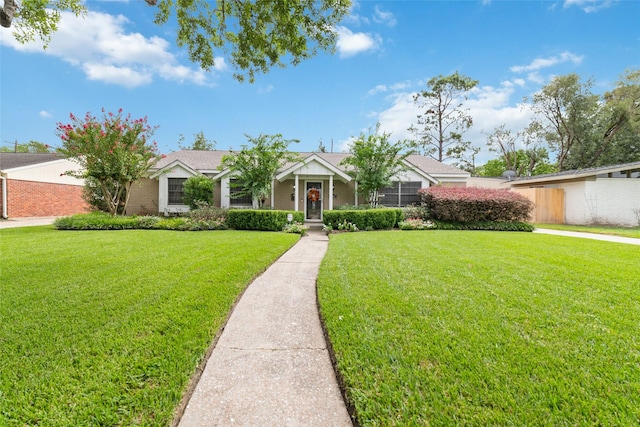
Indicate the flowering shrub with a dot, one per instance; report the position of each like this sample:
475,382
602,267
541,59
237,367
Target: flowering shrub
459,204
346,226
296,228
113,151
416,224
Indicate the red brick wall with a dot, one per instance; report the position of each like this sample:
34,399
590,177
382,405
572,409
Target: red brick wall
30,198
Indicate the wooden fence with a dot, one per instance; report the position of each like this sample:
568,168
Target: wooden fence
549,204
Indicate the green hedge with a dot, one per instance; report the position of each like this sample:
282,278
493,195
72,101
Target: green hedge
371,219
105,221
264,220
484,225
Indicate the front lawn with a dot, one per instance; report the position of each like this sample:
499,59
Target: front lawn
106,328
484,328
602,229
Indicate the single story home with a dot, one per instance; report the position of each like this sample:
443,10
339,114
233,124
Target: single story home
34,184
316,183
602,195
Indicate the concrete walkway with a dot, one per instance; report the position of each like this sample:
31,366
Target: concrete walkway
271,365
605,237
27,222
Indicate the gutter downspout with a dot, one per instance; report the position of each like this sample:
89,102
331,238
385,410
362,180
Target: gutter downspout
4,196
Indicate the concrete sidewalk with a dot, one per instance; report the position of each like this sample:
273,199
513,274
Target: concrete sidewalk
605,237
27,222
271,365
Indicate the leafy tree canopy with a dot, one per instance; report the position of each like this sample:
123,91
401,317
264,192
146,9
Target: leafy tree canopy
255,166
114,151
254,36
200,142
375,161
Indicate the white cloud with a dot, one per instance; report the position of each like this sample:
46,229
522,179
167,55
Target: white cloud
45,114
350,43
489,106
382,17
589,6
540,63
266,89
100,46
355,18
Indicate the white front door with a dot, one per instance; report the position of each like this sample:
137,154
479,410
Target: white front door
313,197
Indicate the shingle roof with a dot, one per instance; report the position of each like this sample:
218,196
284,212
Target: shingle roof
211,160
578,173
17,160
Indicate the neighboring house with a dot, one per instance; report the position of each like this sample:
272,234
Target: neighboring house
603,195
315,183
34,184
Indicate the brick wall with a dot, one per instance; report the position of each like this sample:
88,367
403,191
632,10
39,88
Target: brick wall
30,198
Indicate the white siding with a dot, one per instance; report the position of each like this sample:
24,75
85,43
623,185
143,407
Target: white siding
50,172
603,201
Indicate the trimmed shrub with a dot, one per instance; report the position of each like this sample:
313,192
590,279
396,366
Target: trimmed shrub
104,221
484,225
459,204
414,212
371,219
264,220
198,190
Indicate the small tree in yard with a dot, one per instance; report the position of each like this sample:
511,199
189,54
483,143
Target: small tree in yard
113,151
375,161
256,166
198,190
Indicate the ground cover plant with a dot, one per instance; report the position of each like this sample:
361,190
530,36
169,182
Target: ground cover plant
597,229
482,328
106,328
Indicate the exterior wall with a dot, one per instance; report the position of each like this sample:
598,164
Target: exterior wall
143,199
344,193
613,201
51,172
30,198
481,182
282,195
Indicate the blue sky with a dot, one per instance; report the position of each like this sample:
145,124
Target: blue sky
387,50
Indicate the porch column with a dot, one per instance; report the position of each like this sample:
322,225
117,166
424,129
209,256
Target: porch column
356,193
273,184
295,190
330,192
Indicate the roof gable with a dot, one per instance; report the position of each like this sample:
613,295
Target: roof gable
313,165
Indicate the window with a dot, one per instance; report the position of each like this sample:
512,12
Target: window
235,188
401,194
176,190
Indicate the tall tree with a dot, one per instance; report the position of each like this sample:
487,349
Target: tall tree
615,129
255,166
375,161
443,119
200,142
113,151
254,35
565,109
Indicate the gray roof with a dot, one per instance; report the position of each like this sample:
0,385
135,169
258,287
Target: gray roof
17,160
211,160
577,173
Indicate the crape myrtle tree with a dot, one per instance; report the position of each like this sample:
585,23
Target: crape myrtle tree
374,161
254,36
443,118
114,152
254,167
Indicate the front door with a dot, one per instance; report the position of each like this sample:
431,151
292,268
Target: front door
313,205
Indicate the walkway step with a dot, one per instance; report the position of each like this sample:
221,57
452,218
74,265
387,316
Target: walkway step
271,365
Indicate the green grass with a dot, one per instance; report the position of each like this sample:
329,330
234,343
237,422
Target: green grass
614,231
106,328
484,328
